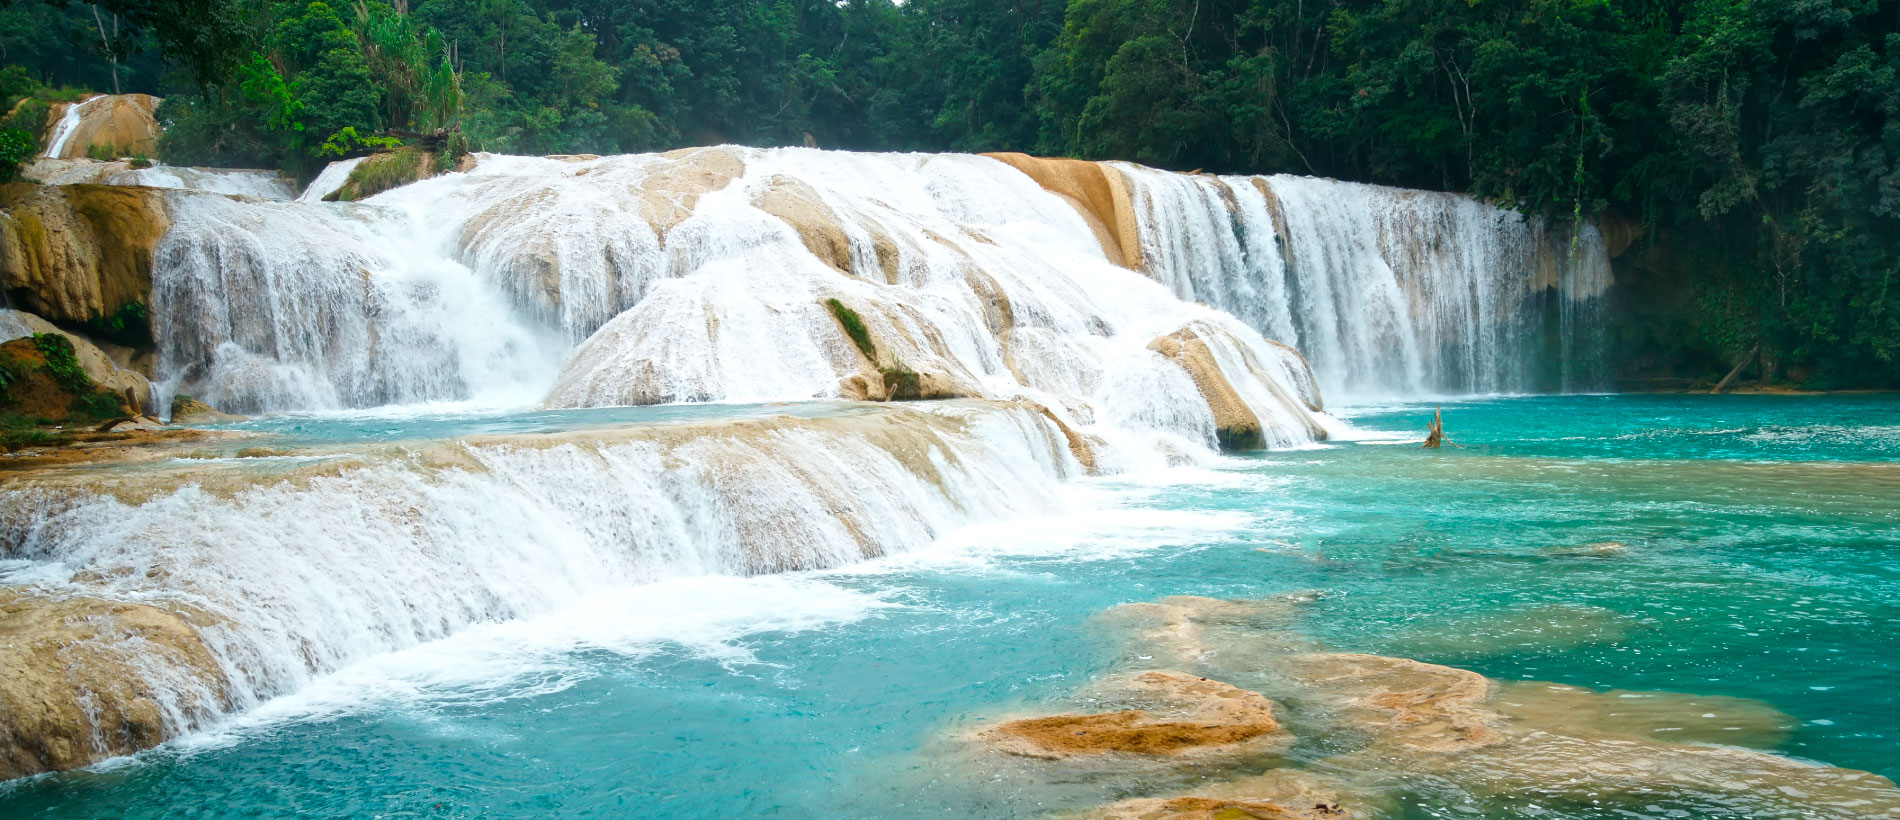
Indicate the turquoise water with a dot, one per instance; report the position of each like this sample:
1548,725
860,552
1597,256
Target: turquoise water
1759,558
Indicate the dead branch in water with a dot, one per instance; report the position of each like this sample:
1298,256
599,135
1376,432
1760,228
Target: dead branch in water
1436,438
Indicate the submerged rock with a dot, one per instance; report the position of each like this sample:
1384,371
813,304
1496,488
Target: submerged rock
1403,725
1180,716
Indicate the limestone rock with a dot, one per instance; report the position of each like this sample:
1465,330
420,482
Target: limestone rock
97,363
1179,715
187,410
121,123
77,679
72,253
1096,191
1235,424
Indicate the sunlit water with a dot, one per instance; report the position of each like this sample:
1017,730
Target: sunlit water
1761,545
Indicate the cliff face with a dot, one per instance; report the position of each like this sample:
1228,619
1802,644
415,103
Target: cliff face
75,253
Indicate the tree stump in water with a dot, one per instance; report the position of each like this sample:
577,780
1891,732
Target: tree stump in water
1436,433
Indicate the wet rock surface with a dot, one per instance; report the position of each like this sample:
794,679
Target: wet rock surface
1372,728
1183,715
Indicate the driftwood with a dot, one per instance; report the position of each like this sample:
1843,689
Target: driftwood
1436,437
1749,357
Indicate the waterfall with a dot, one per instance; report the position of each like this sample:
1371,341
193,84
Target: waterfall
329,180
1388,292
699,275
237,182
263,307
67,126
296,566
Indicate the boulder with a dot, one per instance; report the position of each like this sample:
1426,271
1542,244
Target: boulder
77,675
120,124
96,361
74,253
187,410
1235,424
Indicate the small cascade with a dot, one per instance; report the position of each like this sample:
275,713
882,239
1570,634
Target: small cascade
67,126
233,181
262,307
1388,292
329,179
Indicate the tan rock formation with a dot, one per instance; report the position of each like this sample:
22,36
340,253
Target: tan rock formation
1412,720
77,674
1278,794
79,252
121,124
1235,425
672,190
187,410
797,205
1097,191
1180,715
97,363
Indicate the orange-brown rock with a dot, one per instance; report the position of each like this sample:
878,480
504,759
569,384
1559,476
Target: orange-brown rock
1180,715
1235,424
80,679
1097,191
72,253
118,124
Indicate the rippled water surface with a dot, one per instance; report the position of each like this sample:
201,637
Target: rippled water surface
1735,546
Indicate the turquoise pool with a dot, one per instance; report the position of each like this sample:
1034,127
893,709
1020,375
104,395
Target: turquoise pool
1742,546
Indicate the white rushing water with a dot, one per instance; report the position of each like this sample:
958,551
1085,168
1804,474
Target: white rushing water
234,181
67,126
1388,292
329,180
689,277
299,566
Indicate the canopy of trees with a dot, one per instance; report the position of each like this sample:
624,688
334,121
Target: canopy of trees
1757,137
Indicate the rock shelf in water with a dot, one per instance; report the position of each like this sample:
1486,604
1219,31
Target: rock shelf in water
1396,725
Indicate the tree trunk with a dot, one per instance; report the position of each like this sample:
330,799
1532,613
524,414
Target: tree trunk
1749,357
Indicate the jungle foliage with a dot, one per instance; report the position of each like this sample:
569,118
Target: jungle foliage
1757,138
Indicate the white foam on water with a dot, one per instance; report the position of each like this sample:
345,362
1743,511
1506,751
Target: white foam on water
709,617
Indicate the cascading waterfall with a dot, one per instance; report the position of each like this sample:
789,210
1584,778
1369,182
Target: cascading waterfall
294,567
704,275
1388,292
281,306
729,275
